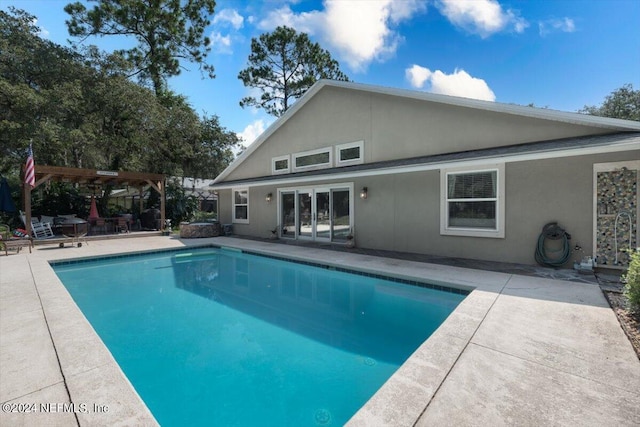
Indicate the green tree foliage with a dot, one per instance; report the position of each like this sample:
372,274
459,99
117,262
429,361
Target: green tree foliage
60,198
284,65
623,103
215,150
166,32
81,110
29,70
632,282
180,205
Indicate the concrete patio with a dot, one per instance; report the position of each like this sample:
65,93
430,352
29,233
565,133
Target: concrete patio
519,350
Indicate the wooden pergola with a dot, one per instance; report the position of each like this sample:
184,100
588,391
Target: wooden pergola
89,177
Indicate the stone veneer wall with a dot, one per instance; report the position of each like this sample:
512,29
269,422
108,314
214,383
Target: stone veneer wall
199,230
617,191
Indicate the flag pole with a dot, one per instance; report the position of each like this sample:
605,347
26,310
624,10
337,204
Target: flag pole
27,208
28,183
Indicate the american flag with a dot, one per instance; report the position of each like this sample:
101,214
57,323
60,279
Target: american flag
29,169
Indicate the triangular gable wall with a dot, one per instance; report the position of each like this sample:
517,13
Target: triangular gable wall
397,126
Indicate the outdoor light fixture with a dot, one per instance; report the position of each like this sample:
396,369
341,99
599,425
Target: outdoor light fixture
364,192
268,197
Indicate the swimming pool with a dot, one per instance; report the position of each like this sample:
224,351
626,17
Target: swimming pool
221,337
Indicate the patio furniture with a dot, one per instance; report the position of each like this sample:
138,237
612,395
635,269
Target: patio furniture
40,230
121,224
150,219
16,243
74,228
7,241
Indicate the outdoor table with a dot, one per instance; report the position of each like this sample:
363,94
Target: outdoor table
15,243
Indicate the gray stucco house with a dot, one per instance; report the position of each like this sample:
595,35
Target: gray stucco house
425,173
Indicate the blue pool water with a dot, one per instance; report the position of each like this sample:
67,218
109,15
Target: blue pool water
218,337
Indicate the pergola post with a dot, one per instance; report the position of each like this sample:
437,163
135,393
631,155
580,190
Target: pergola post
163,203
27,207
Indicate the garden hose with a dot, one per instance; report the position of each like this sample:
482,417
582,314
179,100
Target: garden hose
557,257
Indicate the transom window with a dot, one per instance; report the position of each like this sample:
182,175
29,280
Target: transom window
473,202
241,205
349,154
315,159
280,164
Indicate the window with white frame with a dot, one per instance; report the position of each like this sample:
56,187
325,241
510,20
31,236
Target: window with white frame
472,201
350,154
240,205
280,164
315,159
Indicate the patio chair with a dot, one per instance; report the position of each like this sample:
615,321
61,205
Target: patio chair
41,230
122,224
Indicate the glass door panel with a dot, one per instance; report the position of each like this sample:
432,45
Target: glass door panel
305,219
340,212
322,215
288,215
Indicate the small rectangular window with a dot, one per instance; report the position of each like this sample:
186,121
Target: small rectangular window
473,203
280,165
241,205
312,160
350,154
316,159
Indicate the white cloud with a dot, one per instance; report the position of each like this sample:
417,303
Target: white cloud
565,25
482,17
229,16
230,20
252,131
459,83
356,32
417,75
305,22
220,43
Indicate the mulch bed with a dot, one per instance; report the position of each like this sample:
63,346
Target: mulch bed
629,321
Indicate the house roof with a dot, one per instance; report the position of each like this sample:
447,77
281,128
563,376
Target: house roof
621,141
615,125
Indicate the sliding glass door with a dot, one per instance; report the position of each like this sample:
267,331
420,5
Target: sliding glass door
319,214
323,215
305,217
288,214
340,214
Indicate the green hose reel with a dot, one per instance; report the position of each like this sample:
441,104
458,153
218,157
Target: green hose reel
553,257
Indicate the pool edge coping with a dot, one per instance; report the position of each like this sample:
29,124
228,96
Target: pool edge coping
449,332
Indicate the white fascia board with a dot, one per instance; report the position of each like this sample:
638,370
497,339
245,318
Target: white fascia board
478,161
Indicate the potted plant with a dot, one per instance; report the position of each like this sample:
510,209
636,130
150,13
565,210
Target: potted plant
351,241
274,234
167,227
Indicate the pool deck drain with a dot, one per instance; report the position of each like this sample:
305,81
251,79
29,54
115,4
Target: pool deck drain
519,350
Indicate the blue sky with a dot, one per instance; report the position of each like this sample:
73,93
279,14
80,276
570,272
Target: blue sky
560,54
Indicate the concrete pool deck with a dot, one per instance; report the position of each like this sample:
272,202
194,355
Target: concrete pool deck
519,350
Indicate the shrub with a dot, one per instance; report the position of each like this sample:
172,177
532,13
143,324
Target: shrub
632,282
201,216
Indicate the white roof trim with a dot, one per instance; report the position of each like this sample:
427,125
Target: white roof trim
478,161
533,112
